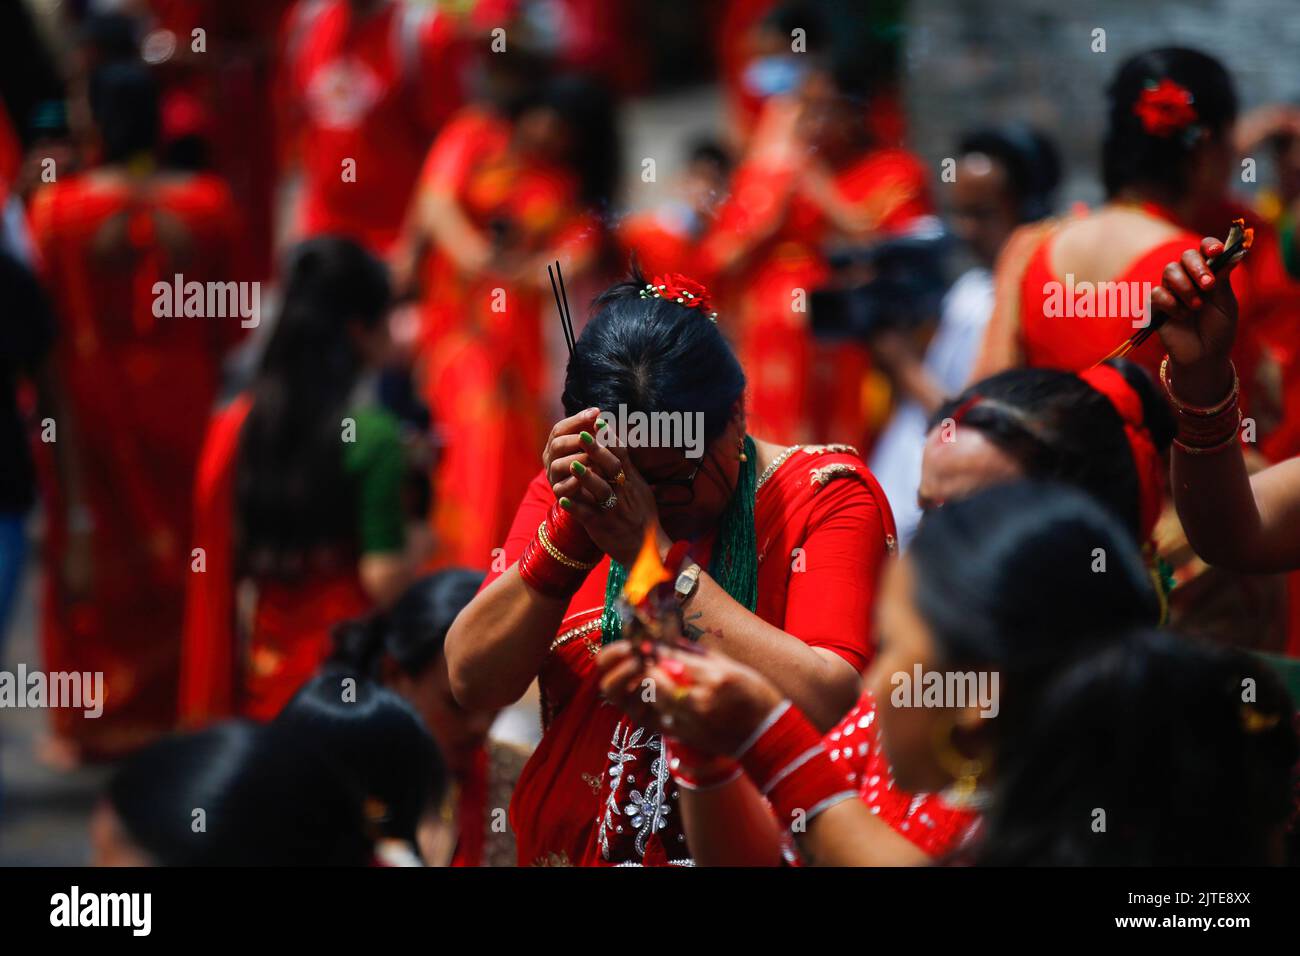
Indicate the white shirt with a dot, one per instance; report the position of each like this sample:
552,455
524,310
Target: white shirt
896,460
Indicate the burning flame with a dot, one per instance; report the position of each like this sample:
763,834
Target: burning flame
1248,235
646,571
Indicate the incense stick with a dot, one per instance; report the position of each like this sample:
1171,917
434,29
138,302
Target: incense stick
1236,245
568,316
566,325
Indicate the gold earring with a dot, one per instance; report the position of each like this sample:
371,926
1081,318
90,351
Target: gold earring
741,448
965,771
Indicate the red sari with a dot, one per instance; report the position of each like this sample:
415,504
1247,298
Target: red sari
373,90
596,791
1022,332
1038,323
483,359
230,80
137,390
659,243
250,664
797,386
11,154
1077,343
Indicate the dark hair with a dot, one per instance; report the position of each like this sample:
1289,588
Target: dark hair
291,491
124,102
1030,160
1131,155
653,355
706,149
1057,426
1007,575
1007,580
595,156
807,15
267,797
378,741
111,38
510,82
412,632
1153,731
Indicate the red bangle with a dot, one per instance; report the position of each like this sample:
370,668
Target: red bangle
569,536
1200,411
788,762
696,770
1199,433
559,558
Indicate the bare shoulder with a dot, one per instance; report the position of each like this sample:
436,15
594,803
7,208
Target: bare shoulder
1102,244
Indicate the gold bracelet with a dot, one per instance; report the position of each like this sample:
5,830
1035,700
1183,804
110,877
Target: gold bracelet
559,555
1200,411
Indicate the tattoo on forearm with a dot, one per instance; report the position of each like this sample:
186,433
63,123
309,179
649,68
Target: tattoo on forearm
694,631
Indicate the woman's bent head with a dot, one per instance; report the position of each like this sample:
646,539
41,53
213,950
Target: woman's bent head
1151,751
992,592
647,355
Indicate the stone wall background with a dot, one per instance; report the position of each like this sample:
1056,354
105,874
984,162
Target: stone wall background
969,62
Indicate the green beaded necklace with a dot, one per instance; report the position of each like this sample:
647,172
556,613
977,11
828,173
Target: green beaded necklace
734,564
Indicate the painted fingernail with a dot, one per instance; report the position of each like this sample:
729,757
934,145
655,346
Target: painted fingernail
601,423
1206,280
578,469
586,438
566,504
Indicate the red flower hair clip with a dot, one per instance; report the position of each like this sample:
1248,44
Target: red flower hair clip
683,290
1165,108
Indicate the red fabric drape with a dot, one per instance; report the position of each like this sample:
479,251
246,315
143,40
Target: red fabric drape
571,804
135,389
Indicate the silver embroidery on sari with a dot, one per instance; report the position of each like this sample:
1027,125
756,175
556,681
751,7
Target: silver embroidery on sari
646,811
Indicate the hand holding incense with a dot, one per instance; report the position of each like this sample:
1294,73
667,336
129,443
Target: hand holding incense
1235,246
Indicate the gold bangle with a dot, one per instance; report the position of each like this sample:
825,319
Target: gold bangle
559,555
1200,411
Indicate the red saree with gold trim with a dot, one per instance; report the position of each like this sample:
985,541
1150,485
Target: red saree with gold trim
596,792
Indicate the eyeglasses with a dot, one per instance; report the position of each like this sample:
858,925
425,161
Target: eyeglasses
675,492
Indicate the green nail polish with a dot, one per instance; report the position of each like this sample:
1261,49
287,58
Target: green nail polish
566,504
601,423
578,469
586,438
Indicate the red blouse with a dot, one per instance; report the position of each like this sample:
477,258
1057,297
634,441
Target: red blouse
1056,333
597,791
924,818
